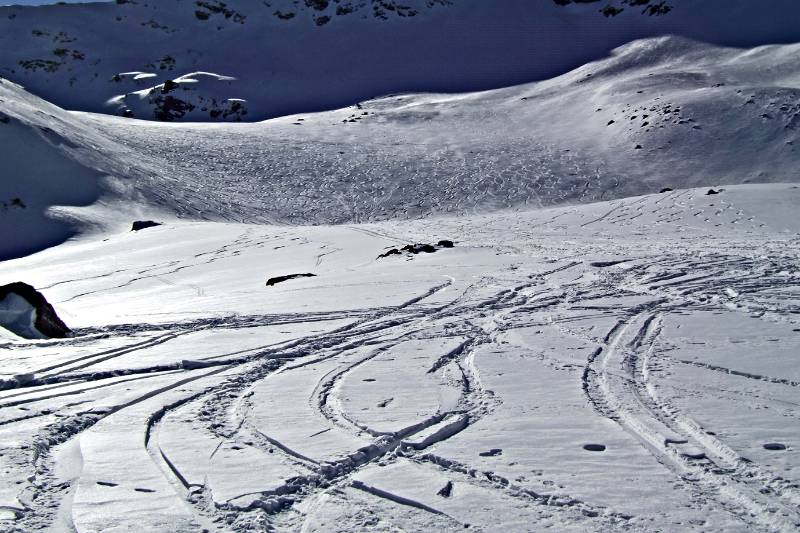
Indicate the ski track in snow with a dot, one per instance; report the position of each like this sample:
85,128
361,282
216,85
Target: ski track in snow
311,429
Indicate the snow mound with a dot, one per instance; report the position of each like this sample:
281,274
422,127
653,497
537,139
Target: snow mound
135,79
197,96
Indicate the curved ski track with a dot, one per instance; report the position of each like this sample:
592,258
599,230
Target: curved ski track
620,381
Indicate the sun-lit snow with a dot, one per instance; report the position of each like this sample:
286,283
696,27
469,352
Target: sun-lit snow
569,304
659,329
659,113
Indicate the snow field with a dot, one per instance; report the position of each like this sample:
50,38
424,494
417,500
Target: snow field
543,372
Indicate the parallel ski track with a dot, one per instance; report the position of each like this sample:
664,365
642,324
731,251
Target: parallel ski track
617,380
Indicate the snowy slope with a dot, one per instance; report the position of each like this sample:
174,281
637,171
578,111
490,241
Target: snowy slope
627,365
36,175
289,56
659,113
61,176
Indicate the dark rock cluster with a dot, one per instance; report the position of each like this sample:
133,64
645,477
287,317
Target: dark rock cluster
414,249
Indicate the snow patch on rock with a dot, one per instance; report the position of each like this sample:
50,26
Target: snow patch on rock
196,96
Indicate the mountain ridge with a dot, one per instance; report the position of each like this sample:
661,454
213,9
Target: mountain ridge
75,55
658,113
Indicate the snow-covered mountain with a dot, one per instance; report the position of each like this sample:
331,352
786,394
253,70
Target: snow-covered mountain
290,56
658,113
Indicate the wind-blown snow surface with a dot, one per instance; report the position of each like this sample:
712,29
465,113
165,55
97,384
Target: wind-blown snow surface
658,113
290,56
469,386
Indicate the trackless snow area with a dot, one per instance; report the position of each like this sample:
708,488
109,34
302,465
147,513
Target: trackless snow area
570,304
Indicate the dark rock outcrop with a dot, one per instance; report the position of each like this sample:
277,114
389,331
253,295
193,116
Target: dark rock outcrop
393,251
281,279
494,452
446,491
169,108
169,85
419,248
594,447
18,319
143,224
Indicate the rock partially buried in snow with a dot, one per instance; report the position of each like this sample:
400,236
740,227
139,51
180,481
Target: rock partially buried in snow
197,96
281,279
414,249
494,452
144,224
594,447
419,248
25,312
